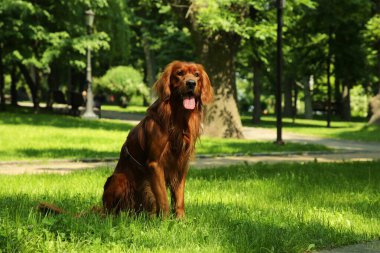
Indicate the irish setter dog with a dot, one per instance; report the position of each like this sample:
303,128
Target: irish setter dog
157,151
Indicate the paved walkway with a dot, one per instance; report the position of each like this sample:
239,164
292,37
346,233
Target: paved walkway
346,151
369,247
65,166
265,134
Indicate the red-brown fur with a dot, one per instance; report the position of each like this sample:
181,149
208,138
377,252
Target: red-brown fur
163,143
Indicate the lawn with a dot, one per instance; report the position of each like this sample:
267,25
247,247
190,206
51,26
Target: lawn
128,109
356,130
252,208
28,136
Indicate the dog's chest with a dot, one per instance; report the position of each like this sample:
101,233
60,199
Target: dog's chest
180,143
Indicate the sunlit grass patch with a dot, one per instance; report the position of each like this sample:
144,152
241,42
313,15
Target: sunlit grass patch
28,136
128,109
253,208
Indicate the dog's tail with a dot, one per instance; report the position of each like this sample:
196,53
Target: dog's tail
47,208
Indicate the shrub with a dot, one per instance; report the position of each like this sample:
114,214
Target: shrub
123,82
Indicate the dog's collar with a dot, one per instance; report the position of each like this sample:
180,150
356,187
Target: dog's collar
132,158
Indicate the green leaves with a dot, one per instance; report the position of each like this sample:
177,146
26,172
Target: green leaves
372,31
122,81
226,15
95,42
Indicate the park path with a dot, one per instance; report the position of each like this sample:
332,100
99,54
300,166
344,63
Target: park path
367,247
346,151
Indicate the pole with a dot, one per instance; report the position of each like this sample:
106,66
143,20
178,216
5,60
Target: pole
328,80
280,6
89,113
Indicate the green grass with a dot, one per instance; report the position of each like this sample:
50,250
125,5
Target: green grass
28,136
128,109
253,208
235,146
358,131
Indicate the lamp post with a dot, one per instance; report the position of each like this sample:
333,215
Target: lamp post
280,6
328,79
89,113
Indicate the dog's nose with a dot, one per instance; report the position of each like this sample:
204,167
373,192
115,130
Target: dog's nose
191,84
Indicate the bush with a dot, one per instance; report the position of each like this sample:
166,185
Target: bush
123,82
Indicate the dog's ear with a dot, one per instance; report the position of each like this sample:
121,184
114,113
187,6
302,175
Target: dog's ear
162,86
207,94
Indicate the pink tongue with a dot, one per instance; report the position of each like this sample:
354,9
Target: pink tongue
189,103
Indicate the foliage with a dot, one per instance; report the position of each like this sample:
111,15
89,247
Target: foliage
122,81
252,208
373,28
48,33
52,40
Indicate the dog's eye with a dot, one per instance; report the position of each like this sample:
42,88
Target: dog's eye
180,73
196,74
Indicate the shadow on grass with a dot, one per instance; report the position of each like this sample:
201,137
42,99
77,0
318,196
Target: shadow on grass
230,146
320,174
235,226
25,116
351,187
260,230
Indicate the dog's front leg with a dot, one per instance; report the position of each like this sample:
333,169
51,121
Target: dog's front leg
178,196
157,181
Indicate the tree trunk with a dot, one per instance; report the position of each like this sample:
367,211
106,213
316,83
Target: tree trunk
150,64
377,47
217,54
373,114
216,51
2,80
346,102
375,109
338,96
295,100
32,82
308,99
49,99
257,81
288,97
14,80
53,83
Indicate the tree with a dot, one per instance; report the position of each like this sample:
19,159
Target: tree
52,28
158,38
216,29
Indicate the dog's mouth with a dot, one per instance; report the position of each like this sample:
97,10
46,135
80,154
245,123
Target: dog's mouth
189,101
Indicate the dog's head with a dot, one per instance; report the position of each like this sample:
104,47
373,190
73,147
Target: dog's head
187,82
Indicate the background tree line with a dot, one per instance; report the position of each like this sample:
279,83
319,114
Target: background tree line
43,43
